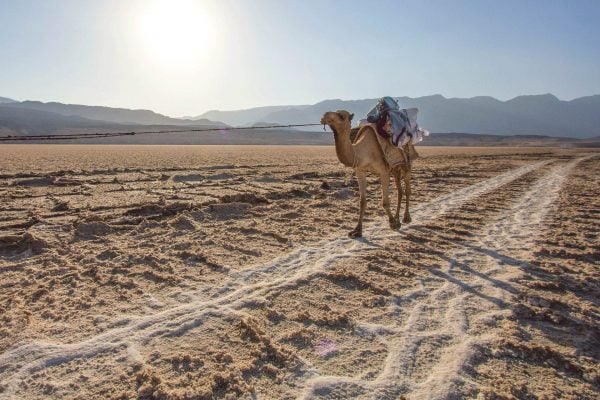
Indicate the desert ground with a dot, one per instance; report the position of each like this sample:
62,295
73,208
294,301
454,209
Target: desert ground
201,272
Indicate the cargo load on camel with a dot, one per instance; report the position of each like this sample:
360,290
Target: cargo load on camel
397,131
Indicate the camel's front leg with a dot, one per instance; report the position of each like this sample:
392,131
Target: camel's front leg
385,199
407,218
397,175
362,188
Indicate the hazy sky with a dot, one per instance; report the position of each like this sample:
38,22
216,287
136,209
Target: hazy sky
184,57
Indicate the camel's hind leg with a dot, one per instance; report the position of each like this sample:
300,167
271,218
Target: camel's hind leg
385,199
397,172
362,188
407,176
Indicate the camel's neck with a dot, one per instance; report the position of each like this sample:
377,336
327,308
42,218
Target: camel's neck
343,145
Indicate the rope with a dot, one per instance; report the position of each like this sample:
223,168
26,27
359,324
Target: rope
70,136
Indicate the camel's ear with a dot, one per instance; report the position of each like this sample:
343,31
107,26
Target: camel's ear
351,116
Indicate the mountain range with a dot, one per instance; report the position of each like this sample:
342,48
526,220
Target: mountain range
6,100
106,114
247,117
524,115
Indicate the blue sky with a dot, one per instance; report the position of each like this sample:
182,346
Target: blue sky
184,57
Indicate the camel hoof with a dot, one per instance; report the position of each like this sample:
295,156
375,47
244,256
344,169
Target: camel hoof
395,224
355,233
407,219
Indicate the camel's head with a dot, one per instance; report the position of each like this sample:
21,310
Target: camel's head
337,118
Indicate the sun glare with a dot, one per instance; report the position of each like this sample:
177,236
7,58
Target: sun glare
176,32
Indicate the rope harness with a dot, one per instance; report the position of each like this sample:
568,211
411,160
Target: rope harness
70,136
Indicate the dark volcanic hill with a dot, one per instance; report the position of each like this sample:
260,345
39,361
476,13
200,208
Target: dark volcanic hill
4,100
23,121
107,114
19,121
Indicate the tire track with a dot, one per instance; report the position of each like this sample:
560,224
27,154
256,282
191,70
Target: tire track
475,296
241,288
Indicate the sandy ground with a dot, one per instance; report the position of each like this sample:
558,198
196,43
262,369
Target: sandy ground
199,272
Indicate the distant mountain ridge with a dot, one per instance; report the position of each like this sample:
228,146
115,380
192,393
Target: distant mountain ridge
16,121
522,115
36,118
106,114
23,121
246,117
4,100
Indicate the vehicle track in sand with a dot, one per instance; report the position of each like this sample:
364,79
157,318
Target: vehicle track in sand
467,308
245,286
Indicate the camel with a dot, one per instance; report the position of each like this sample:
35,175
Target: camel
365,155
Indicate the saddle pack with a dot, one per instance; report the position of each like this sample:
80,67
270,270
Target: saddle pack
397,131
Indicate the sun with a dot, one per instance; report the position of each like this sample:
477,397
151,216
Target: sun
175,32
